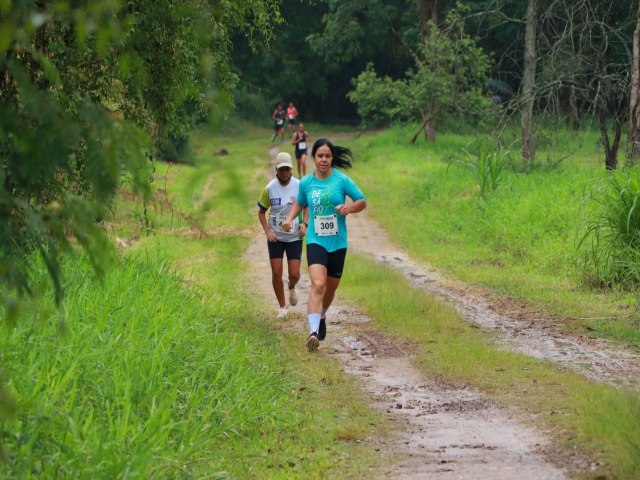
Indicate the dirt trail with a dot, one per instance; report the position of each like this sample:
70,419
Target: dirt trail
596,359
443,432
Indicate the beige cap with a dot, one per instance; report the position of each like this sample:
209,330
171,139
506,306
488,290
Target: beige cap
283,159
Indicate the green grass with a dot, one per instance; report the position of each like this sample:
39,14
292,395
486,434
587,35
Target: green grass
148,377
141,381
521,241
603,421
167,368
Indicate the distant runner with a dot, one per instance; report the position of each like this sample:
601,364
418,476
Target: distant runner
278,119
301,141
292,115
324,193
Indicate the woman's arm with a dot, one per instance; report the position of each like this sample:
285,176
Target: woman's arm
354,207
295,210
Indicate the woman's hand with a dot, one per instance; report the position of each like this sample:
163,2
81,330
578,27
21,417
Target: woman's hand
343,210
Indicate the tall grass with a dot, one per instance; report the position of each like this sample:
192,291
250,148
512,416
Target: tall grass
144,379
611,238
487,167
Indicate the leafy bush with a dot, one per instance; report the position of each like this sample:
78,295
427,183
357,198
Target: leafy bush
448,76
82,86
611,238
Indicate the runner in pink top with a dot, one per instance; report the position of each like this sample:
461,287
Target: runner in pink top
292,115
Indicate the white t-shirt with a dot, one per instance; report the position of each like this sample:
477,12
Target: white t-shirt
278,199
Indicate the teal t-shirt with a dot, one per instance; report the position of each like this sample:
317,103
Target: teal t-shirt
327,227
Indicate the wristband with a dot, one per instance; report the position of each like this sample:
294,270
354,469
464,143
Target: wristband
304,223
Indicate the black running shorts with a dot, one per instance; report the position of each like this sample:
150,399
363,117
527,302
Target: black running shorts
293,249
334,261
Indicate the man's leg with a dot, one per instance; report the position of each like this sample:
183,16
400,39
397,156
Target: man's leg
293,266
276,280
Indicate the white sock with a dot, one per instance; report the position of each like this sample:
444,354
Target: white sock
314,322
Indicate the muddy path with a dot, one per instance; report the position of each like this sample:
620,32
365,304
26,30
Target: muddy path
442,431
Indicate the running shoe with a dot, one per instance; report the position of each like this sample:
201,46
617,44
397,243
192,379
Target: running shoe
322,331
293,296
283,312
312,342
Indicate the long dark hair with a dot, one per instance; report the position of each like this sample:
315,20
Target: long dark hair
342,156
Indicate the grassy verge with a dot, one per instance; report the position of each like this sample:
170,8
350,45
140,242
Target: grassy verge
519,242
167,369
603,421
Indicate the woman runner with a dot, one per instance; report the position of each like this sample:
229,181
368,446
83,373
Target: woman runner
292,115
301,140
324,192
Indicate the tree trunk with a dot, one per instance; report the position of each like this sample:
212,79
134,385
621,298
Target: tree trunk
423,125
573,108
610,149
633,140
528,82
430,131
428,12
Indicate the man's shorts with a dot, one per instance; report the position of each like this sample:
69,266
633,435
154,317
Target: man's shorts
333,261
278,249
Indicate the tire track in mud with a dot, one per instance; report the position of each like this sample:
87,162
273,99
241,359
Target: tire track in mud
594,358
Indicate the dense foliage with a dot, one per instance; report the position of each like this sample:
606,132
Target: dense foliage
584,50
85,88
448,78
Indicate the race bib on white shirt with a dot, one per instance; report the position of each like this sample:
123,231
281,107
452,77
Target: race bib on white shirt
326,225
276,223
302,146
